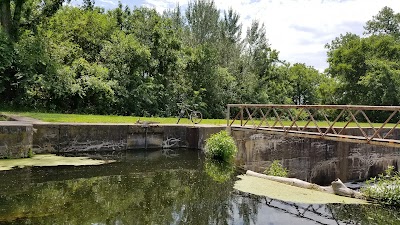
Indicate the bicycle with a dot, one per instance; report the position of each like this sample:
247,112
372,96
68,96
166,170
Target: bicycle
194,116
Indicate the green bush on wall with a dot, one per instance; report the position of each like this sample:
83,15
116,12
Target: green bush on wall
276,169
221,146
384,189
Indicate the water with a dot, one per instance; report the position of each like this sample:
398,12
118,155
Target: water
157,187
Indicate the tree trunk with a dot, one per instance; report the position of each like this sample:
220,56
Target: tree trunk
337,186
5,16
16,19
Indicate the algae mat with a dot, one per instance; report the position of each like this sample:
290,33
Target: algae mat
284,192
49,160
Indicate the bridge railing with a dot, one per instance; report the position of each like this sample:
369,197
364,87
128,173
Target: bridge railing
350,123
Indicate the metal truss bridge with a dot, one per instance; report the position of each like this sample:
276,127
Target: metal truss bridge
375,125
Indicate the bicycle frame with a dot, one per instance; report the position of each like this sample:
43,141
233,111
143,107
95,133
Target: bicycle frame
182,113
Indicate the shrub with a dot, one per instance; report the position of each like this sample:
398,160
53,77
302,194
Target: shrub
276,169
384,189
221,146
30,153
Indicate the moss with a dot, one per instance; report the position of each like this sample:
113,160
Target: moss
49,160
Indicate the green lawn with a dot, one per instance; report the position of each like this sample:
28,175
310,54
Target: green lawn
77,118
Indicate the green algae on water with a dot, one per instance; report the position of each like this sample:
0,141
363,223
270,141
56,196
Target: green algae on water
284,192
49,160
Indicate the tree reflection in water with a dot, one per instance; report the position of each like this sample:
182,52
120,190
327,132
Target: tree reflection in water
152,189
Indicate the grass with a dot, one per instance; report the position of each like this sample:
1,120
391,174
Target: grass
78,118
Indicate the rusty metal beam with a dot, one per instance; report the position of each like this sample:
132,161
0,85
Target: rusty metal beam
315,135
346,113
355,107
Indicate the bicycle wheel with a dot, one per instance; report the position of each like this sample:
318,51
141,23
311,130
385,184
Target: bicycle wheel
196,117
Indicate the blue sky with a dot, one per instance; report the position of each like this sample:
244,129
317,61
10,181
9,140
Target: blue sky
298,29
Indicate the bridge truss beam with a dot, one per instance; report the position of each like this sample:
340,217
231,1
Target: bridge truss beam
348,123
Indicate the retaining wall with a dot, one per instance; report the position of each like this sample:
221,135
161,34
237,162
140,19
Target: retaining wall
315,160
52,138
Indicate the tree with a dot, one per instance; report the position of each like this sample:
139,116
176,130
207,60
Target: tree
88,4
367,69
263,62
346,58
10,20
34,11
386,22
262,57
6,49
231,29
382,78
203,20
230,44
305,81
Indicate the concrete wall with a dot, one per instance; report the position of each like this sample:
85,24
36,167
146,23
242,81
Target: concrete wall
314,160
15,140
51,138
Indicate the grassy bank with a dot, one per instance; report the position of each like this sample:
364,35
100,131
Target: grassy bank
77,118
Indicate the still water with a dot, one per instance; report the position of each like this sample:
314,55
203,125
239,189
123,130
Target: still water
157,187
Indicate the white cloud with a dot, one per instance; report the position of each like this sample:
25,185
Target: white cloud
111,2
162,5
299,29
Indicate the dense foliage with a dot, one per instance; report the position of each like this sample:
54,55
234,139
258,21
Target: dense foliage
368,68
62,58
221,147
385,188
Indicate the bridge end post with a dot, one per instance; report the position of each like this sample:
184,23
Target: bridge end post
228,114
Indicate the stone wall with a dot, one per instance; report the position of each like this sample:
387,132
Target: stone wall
314,160
15,140
52,138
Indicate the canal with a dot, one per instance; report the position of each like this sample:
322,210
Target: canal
157,187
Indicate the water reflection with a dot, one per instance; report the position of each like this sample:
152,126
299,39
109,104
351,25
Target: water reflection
152,187
219,171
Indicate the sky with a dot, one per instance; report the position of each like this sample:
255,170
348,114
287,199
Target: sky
298,29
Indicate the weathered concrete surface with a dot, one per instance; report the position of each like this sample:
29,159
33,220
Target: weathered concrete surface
145,136
53,137
314,160
88,137
15,139
46,138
